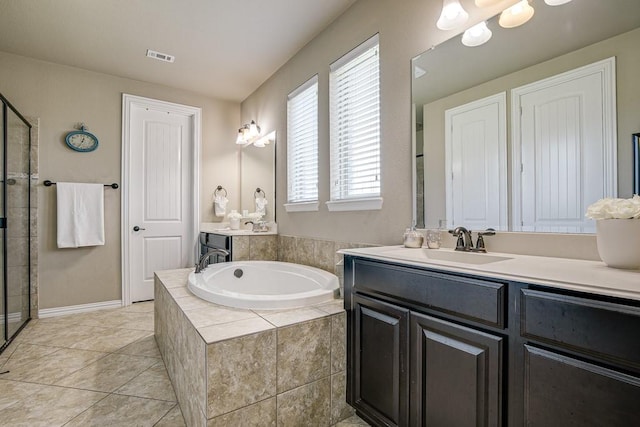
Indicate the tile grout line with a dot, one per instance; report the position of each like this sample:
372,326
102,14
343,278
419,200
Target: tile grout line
168,412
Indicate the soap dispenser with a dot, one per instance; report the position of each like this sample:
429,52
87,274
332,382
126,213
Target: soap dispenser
413,238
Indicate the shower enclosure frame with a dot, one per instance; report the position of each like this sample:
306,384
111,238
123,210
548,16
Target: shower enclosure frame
6,106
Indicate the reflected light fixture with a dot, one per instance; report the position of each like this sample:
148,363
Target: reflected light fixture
487,3
516,15
477,35
452,16
556,2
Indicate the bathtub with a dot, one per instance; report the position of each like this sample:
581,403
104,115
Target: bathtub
265,285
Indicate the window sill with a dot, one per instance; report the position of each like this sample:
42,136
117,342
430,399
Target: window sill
369,204
301,207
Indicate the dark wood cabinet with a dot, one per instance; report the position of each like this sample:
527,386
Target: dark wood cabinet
561,390
581,360
456,374
380,369
433,348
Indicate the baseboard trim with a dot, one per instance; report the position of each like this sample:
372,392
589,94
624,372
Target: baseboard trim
14,317
82,308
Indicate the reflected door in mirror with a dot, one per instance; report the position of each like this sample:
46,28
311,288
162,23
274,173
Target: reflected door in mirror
476,164
563,138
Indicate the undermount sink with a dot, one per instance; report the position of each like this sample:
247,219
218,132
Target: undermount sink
424,254
464,257
242,231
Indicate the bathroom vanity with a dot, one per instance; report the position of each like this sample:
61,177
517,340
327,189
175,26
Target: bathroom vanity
445,338
241,244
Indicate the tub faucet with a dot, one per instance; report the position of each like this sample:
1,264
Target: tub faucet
465,241
202,262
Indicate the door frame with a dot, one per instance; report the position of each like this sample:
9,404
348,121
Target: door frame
128,103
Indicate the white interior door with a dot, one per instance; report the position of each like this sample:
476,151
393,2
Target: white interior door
563,130
161,225
476,164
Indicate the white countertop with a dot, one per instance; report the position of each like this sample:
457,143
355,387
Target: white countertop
223,228
579,275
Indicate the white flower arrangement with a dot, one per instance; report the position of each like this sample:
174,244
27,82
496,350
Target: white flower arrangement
610,208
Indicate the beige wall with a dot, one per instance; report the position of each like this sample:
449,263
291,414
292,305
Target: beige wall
63,96
624,47
406,29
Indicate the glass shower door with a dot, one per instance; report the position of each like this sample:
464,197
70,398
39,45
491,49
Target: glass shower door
3,302
15,223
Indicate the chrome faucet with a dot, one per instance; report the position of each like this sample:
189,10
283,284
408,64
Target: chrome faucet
480,243
465,241
202,262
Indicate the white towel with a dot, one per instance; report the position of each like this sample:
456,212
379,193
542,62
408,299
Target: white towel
80,215
220,205
261,205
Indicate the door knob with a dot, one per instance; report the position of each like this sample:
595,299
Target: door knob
136,228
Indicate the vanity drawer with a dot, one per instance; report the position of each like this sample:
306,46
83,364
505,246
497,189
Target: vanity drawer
605,329
475,299
212,240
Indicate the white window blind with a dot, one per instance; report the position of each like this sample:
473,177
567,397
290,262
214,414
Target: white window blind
302,143
355,124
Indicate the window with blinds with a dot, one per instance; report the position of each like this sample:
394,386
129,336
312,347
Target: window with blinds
302,147
355,128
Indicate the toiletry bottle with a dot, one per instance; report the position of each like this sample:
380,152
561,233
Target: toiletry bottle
413,238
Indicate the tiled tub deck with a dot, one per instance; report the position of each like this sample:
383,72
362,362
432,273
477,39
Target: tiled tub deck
246,367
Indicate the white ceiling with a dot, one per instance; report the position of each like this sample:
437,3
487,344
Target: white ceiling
223,48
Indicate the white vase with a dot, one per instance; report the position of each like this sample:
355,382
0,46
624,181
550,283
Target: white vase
619,242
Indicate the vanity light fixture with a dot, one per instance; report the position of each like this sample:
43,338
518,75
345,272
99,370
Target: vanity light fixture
477,35
516,15
249,134
452,16
556,2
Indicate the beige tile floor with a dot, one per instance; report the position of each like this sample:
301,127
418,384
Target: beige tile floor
101,368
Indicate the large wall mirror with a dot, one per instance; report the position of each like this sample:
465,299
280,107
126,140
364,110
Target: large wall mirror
258,171
525,131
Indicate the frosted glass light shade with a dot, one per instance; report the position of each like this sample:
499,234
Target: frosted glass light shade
452,16
240,139
516,15
253,129
487,3
556,2
477,35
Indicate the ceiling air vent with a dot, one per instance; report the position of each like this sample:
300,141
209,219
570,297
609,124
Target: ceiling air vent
160,56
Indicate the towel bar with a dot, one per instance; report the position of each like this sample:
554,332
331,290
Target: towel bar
48,183
220,188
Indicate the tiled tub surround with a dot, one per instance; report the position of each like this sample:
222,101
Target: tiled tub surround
255,247
242,367
315,253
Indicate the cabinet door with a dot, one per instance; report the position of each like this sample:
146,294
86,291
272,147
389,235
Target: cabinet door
381,361
456,377
564,391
